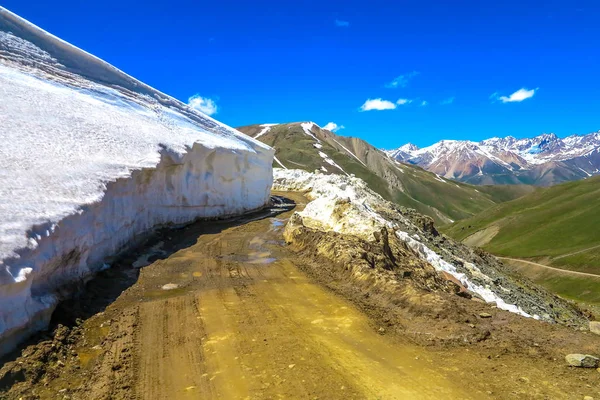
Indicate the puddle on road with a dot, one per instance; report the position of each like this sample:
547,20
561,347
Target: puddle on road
254,257
257,253
277,223
150,256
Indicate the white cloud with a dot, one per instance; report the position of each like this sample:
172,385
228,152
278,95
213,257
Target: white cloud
402,102
518,96
203,104
342,24
377,104
449,100
424,103
402,80
333,127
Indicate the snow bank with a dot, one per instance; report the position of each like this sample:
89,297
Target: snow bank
326,191
90,161
360,218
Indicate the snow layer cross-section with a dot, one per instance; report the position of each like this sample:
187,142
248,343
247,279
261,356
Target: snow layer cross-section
90,159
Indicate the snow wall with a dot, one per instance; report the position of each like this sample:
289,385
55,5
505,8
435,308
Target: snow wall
91,161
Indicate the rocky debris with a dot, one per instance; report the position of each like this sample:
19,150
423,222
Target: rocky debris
366,215
582,360
426,224
459,288
485,315
45,359
595,327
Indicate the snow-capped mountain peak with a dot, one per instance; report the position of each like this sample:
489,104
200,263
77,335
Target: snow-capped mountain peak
408,147
509,160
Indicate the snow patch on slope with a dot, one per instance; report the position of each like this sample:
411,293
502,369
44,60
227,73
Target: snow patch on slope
265,129
307,127
324,191
329,161
279,162
439,264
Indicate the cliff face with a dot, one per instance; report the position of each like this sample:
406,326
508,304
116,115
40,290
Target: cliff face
91,161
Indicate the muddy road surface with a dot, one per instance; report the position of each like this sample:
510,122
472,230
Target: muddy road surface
223,311
233,317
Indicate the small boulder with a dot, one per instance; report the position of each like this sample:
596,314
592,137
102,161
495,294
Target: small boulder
595,327
485,315
582,360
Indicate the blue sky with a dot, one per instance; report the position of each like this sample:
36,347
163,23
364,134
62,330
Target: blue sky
467,70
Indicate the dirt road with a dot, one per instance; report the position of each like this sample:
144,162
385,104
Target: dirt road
224,311
241,321
229,315
561,270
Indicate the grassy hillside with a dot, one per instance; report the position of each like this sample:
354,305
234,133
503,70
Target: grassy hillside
444,200
559,226
567,284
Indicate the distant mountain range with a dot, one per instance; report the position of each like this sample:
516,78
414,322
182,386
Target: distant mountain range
305,145
543,160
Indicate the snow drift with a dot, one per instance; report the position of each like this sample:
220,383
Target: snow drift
90,161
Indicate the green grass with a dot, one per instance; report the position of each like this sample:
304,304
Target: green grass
504,193
582,289
544,225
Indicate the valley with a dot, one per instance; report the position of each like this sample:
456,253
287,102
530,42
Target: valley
549,236
556,226
308,147
580,287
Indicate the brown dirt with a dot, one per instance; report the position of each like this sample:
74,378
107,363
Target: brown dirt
246,317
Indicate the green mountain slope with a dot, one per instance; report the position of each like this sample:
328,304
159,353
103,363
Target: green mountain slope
307,146
558,226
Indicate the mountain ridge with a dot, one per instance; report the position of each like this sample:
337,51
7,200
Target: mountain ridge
307,146
543,160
